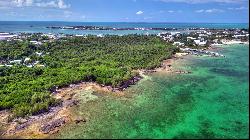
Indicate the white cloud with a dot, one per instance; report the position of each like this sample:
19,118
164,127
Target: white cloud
53,4
34,3
139,12
47,4
171,11
238,8
205,1
199,11
19,3
62,5
209,11
214,10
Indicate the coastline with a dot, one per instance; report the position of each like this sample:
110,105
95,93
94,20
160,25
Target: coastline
42,125
230,42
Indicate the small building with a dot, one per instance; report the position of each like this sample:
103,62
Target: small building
238,36
29,66
16,61
6,36
79,35
36,42
190,38
100,35
197,41
203,43
8,65
39,54
178,44
26,59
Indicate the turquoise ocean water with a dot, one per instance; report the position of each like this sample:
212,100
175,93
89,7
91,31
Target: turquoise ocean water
40,26
212,102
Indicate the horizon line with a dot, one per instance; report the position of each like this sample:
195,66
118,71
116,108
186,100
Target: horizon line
121,22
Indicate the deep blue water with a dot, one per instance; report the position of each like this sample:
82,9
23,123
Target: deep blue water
40,26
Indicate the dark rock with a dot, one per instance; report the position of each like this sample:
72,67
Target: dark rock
79,120
51,126
70,103
21,126
126,84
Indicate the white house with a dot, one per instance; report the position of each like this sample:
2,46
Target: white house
6,36
29,66
174,33
36,42
26,59
178,44
16,61
203,43
237,36
79,35
39,54
100,35
8,65
190,38
197,41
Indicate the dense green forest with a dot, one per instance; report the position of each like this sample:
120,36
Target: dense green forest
109,60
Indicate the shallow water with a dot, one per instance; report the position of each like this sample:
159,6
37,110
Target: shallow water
212,102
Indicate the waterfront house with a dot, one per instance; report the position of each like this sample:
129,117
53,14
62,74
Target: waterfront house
79,35
6,36
100,35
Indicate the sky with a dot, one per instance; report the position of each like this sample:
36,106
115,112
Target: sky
175,11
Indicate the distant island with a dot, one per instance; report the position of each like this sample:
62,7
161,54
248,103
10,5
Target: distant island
104,28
